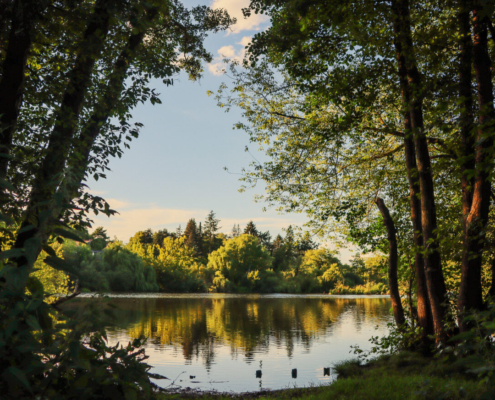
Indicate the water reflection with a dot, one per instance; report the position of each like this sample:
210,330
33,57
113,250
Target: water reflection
227,332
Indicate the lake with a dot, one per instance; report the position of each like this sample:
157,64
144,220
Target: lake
219,341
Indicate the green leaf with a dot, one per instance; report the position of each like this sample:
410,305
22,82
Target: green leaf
6,185
32,248
34,285
6,219
33,323
68,234
11,253
18,376
60,264
157,376
49,250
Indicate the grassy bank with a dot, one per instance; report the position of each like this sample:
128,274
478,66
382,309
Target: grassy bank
405,376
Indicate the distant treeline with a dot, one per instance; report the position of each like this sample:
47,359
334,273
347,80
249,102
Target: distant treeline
201,259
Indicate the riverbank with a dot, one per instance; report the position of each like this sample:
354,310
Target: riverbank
405,376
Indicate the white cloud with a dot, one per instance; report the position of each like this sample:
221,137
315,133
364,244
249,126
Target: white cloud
125,224
234,8
118,204
217,66
245,40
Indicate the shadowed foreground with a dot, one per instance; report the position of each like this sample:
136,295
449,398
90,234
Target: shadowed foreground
405,376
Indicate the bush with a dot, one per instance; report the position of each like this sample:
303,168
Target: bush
115,269
239,264
47,354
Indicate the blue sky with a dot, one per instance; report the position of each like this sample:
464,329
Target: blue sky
175,170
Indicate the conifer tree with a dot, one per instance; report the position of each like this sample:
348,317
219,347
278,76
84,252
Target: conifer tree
236,231
211,228
250,229
278,243
192,237
266,241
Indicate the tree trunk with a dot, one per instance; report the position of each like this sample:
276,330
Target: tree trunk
41,211
466,108
25,15
425,319
398,310
491,292
435,282
79,158
470,293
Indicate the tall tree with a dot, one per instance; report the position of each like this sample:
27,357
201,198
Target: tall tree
392,264
251,229
192,236
358,98
236,231
210,231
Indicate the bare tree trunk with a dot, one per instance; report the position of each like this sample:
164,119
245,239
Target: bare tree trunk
393,285
470,293
425,319
435,282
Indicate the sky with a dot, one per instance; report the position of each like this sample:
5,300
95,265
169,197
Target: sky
175,170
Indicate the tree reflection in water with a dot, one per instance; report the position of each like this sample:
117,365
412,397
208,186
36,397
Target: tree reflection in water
197,326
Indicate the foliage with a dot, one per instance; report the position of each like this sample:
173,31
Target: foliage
474,350
62,357
54,282
175,265
354,100
115,269
239,265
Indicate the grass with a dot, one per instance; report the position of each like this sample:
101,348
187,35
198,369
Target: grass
405,376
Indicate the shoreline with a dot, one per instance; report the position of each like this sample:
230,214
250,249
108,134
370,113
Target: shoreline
229,295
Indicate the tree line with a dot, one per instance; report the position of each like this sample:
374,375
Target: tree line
201,259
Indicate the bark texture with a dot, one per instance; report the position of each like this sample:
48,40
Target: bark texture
432,262
470,292
25,14
423,310
398,310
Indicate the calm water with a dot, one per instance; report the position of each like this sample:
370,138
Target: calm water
222,340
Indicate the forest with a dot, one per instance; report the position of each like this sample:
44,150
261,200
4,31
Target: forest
201,260
376,120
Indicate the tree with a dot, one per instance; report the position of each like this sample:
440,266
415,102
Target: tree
239,263
210,230
371,105
160,235
179,232
193,239
71,72
72,115
100,232
250,229
236,231
142,237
